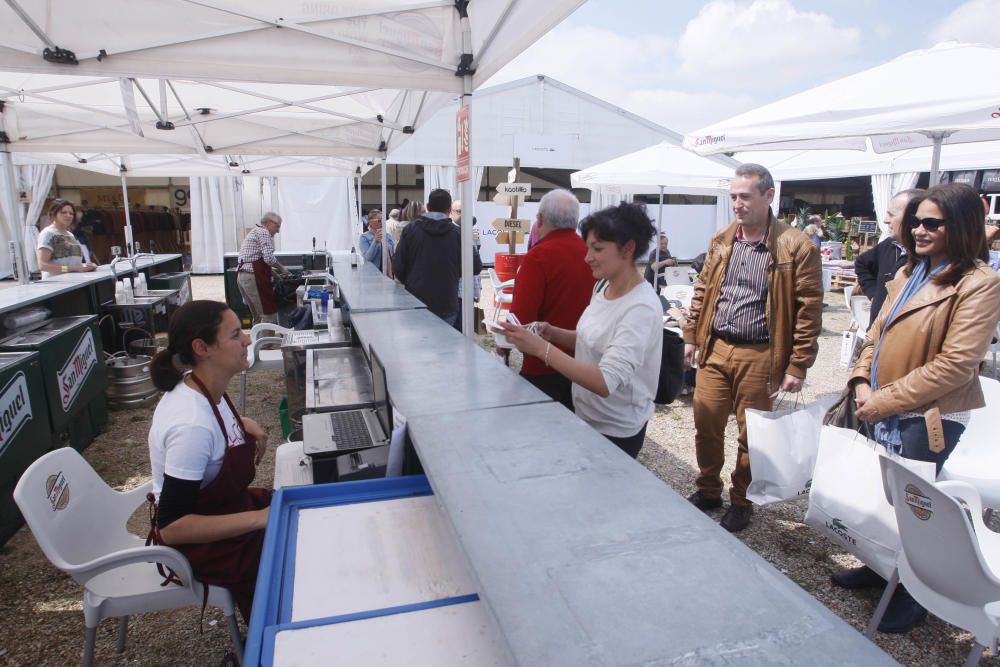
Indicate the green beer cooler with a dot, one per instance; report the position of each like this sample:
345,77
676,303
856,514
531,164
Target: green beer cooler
24,429
74,376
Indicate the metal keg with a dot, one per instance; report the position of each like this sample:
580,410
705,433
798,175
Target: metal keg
129,382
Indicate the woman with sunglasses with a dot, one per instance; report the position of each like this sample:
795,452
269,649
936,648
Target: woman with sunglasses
918,378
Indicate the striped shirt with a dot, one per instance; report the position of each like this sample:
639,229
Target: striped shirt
739,313
258,244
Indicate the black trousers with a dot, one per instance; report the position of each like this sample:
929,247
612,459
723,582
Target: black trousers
916,442
630,444
555,386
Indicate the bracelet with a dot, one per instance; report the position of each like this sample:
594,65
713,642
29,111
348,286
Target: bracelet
548,346
64,269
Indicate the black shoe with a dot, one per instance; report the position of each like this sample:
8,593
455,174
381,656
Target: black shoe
736,518
903,614
699,500
858,577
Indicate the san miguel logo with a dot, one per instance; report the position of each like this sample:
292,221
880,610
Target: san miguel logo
710,140
57,489
15,409
920,505
74,373
840,530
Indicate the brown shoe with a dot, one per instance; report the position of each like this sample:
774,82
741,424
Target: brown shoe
736,518
699,500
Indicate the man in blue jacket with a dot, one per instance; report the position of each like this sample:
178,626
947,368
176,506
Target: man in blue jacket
428,258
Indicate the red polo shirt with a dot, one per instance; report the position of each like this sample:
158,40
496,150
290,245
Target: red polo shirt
554,285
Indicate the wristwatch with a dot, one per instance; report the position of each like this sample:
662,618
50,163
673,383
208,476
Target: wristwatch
65,269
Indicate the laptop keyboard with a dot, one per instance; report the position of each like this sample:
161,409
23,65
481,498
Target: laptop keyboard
350,430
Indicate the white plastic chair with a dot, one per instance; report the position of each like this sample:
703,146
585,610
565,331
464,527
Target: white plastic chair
994,348
503,293
262,336
676,275
79,523
949,564
976,459
682,293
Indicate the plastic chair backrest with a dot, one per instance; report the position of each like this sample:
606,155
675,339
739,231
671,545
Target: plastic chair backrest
938,540
74,516
979,436
682,293
676,275
495,280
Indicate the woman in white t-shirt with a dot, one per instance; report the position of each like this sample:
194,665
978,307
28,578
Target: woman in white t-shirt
203,455
58,250
619,338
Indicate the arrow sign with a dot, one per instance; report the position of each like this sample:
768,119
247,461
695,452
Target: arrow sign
508,200
522,189
512,224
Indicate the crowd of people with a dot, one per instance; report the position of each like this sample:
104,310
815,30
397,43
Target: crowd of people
592,340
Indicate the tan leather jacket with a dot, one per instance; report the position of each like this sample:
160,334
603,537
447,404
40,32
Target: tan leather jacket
930,359
794,305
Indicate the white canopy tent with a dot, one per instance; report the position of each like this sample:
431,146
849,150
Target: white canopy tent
410,46
666,168
927,97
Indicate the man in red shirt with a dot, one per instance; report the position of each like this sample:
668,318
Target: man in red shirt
554,284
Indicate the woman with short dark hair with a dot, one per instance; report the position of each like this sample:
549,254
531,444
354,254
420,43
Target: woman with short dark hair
918,378
203,455
58,250
618,341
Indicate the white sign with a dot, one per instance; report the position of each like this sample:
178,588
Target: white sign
520,189
556,151
24,196
512,224
76,370
15,409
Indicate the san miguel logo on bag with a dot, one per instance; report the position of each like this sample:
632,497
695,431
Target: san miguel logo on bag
57,489
840,530
920,505
15,409
74,373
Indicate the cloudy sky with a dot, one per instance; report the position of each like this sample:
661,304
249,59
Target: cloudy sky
688,63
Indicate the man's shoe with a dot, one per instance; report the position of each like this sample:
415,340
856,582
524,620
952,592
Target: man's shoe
736,518
699,500
857,577
903,614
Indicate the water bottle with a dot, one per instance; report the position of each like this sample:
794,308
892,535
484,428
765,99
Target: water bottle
354,258
325,300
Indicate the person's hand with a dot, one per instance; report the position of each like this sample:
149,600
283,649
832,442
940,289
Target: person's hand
862,399
262,515
88,266
378,235
992,232
524,340
791,384
690,354
544,330
254,430
284,271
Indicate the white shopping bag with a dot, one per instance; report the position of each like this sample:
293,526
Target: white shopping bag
847,503
783,446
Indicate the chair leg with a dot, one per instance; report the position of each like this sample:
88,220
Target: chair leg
90,638
883,604
234,633
243,393
122,631
975,655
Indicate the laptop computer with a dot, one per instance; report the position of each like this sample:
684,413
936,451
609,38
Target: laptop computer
345,431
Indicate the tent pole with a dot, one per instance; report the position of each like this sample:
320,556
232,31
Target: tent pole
128,216
361,223
469,196
385,218
659,230
938,138
16,224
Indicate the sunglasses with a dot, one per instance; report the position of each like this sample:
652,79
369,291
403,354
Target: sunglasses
930,224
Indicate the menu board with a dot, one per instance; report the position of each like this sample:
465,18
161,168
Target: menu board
991,181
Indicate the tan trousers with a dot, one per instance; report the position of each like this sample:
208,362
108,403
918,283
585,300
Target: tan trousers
733,377
248,288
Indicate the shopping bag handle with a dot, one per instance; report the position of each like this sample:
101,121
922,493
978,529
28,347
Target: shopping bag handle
780,396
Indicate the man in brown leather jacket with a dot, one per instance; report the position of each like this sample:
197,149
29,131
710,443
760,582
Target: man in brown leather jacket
755,317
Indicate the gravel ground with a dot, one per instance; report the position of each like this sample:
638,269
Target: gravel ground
43,609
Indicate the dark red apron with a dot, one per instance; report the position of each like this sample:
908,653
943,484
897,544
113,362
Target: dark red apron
231,563
262,278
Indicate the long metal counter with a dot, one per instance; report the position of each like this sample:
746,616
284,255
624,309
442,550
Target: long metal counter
581,555
366,290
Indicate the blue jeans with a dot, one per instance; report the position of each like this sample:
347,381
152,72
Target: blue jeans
916,442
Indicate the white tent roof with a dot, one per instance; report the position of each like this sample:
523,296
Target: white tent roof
900,104
402,44
542,121
665,164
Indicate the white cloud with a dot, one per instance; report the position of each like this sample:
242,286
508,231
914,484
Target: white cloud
975,21
761,44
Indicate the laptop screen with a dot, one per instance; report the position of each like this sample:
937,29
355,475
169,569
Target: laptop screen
380,385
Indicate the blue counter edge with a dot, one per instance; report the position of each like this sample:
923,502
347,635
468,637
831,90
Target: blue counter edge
272,600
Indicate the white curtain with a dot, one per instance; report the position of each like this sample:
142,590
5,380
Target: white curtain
605,197
723,211
436,176
776,204
324,208
38,180
216,206
884,188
